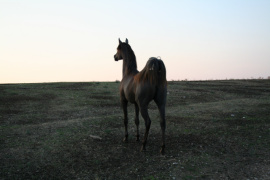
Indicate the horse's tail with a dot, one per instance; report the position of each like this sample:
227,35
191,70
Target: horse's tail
154,72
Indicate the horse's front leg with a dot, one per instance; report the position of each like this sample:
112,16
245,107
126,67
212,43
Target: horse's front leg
124,106
137,122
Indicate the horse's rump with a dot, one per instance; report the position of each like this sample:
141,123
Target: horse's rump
154,73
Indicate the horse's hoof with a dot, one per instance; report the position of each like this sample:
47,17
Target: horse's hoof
143,149
162,150
125,140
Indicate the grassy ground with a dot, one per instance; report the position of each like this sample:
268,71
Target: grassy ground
215,130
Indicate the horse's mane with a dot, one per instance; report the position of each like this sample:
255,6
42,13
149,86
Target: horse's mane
154,72
129,54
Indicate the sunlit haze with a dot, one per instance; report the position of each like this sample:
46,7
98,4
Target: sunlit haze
64,41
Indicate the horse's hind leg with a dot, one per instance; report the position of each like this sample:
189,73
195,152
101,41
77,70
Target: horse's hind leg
144,113
137,121
124,106
161,102
161,109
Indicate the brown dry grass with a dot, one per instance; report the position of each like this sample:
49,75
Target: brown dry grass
215,130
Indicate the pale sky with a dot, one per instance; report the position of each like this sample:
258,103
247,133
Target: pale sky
64,41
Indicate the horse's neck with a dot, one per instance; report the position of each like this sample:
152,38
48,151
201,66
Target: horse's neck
128,70
129,66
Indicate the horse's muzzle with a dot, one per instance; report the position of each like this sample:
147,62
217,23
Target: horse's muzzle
115,58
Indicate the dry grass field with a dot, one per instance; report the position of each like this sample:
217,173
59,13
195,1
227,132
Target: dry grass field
215,130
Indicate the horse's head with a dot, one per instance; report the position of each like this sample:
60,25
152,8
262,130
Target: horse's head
121,47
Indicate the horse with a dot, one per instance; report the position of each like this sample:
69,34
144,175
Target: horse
140,88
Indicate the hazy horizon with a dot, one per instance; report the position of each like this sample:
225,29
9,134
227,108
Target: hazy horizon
59,41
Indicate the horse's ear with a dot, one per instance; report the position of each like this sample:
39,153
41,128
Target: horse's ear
120,41
126,40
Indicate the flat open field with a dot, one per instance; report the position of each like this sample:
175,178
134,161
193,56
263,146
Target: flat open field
215,130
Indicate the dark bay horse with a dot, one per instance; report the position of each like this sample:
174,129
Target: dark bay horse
140,88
